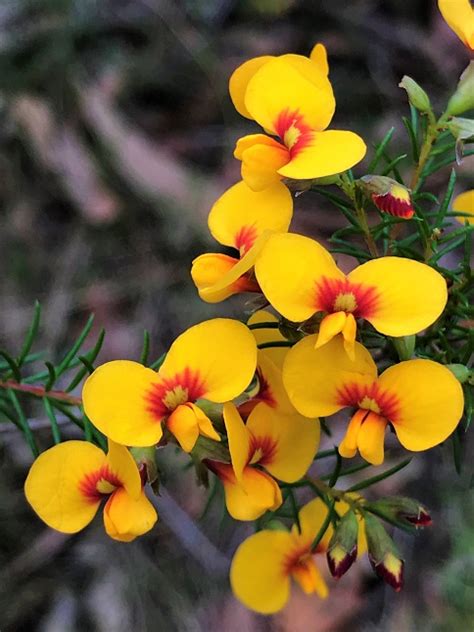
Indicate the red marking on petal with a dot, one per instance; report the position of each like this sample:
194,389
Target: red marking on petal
88,485
224,471
353,394
293,131
392,205
188,385
245,238
329,291
267,446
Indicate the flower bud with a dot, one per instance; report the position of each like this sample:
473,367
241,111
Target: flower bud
388,195
145,458
402,509
462,373
463,99
342,548
461,128
383,554
416,95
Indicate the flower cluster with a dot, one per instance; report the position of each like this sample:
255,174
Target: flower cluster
245,400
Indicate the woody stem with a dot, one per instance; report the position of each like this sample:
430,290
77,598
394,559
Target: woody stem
40,391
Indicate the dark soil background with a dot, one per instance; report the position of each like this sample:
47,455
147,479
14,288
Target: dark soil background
116,135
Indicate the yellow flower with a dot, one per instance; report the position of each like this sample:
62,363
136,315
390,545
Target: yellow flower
398,296
128,402
67,483
241,219
283,445
265,563
291,98
421,399
464,203
459,15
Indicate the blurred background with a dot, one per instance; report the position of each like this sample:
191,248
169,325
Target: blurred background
116,136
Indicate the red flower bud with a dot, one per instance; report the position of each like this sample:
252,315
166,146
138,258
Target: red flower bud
388,196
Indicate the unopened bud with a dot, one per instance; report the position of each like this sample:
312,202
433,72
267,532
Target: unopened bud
463,99
388,195
383,554
342,548
145,458
462,373
402,509
461,128
416,95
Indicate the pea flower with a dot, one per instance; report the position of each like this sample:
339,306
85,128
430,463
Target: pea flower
129,403
464,203
240,219
421,399
283,446
67,483
267,561
398,296
459,16
292,99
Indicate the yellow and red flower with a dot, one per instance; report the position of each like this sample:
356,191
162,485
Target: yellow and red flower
464,203
282,446
129,403
459,15
67,483
291,98
398,296
265,563
240,219
421,399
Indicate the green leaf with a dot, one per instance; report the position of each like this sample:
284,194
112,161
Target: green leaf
145,348
380,477
444,206
31,335
379,150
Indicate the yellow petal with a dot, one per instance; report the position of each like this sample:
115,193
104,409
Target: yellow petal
430,404
287,443
237,276
122,465
221,351
464,203
330,326
276,354
278,87
271,389
125,517
312,517
370,438
114,398
205,424
253,496
411,295
239,439
182,423
288,269
319,56
241,215
348,446
214,270
53,485
257,574
324,154
459,15
309,577
260,165
313,378
239,80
